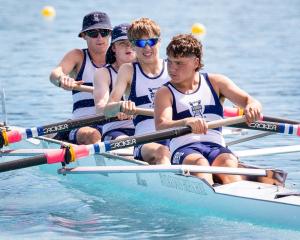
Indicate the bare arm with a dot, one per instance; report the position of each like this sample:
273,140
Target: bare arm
225,87
163,114
70,63
124,79
101,89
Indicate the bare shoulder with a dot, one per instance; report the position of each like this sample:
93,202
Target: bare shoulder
102,75
125,72
126,68
163,93
216,78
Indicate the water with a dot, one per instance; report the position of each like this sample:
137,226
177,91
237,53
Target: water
255,43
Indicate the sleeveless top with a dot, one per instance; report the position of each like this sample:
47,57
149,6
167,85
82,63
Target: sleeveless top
142,92
128,124
203,103
83,102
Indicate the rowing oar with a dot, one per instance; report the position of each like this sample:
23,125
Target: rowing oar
83,88
71,153
17,135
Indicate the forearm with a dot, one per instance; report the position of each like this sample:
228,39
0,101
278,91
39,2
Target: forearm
165,124
55,76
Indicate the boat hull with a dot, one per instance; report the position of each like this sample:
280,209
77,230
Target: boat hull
245,200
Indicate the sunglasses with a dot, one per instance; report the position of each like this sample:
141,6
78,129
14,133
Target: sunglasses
95,33
143,42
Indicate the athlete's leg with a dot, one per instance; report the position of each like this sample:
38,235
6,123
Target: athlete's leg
155,153
227,160
198,159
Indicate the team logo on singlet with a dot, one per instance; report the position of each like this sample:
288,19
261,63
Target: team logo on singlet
152,92
197,108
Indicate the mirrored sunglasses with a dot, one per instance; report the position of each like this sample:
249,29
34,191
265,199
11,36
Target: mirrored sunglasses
94,33
143,42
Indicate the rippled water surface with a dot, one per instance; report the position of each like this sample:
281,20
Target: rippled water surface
255,43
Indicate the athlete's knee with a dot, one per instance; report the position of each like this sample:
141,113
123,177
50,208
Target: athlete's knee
226,160
88,135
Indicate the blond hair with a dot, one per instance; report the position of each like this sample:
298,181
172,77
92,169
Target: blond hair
143,27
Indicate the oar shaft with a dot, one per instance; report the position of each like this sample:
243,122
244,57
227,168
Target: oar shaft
24,163
283,128
83,88
17,135
233,112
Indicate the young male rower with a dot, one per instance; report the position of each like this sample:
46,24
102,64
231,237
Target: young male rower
78,67
142,79
119,52
192,99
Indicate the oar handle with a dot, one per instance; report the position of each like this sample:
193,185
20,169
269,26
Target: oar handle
83,88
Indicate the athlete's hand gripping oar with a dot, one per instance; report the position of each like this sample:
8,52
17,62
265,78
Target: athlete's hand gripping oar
72,153
16,135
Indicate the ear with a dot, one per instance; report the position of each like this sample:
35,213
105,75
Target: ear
197,63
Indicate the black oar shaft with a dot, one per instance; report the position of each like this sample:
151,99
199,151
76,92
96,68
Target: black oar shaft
146,138
23,163
71,124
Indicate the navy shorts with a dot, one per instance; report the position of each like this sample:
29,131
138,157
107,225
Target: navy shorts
113,134
137,152
207,149
73,133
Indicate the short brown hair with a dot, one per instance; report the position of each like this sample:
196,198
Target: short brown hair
143,27
185,45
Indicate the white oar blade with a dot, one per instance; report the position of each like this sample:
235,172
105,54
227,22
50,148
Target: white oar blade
267,151
181,169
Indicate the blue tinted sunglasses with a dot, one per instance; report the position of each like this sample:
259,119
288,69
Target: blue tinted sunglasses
143,42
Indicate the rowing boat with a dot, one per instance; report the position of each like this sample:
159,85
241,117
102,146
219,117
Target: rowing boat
256,199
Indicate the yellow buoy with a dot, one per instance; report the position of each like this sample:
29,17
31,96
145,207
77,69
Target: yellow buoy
48,12
198,30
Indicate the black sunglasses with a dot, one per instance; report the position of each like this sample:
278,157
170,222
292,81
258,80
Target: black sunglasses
94,33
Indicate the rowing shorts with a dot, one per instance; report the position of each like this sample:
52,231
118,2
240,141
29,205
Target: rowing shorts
137,151
113,134
207,149
73,133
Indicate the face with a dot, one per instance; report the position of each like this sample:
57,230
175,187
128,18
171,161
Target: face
97,40
147,48
182,69
124,51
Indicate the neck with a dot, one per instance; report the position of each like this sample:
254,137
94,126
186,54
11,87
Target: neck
188,85
152,68
97,58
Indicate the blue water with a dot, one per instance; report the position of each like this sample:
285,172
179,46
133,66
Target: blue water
255,43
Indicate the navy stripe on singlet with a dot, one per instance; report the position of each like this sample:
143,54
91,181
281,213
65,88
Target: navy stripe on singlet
218,107
83,103
137,100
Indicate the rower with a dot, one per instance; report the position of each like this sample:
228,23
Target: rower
192,99
78,67
119,52
142,79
